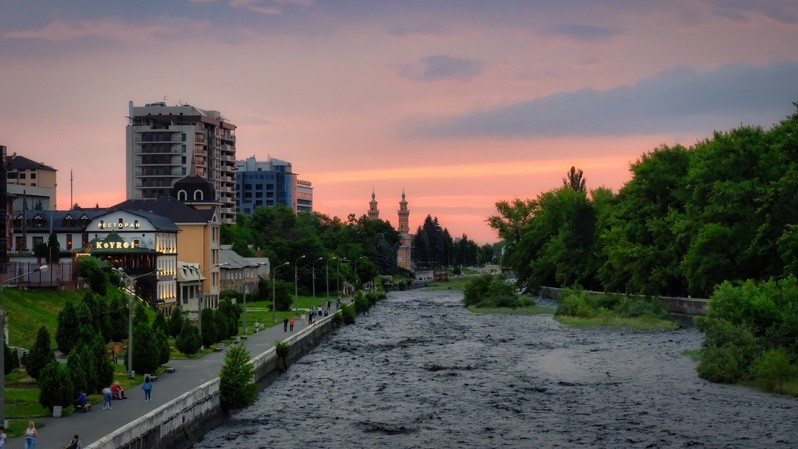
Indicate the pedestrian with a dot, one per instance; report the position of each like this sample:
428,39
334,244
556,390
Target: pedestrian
291,324
74,443
285,325
310,317
2,437
147,387
30,436
107,398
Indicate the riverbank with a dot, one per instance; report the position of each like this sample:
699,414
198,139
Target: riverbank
188,375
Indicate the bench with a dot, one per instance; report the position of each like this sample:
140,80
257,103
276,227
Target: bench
170,370
83,408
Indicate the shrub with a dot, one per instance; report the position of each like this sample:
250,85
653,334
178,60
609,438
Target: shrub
236,386
773,370
362,303
176,321
55,386
188,341
283,350
348,313
484,290
575,304
40,354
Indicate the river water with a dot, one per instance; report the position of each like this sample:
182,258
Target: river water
420,371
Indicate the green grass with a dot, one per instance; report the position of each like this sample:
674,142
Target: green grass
28,310
646,323
533,310
693,354
454,283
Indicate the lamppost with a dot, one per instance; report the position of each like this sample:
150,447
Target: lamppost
327,274
338,275
274,299
3,344
313,266
296,274
354,264
244,312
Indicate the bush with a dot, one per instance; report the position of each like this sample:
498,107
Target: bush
773,370
485,290
575,304
236,386
348,313
362,303
55,386
40,354
188,340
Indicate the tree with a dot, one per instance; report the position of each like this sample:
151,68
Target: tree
146,350
40,354
236,386
188,341
78,363
68,326
573,180
53,248
210,333
55,386
176,322
11,359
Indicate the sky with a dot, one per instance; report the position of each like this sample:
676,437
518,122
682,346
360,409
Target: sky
457,103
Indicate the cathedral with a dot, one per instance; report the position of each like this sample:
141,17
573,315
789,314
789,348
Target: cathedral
403,254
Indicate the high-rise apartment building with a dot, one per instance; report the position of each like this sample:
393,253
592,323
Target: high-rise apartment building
168,143
269,183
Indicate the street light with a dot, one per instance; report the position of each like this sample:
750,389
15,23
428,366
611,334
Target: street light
3,345
313,266
357,275
274,299
296,284
244,312
327,274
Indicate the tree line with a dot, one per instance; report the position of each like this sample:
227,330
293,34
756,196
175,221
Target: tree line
725,208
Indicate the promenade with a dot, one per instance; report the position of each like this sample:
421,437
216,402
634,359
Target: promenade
189,374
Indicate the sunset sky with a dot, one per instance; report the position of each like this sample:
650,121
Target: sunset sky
458,103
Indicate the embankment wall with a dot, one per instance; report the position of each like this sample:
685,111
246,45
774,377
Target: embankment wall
183,421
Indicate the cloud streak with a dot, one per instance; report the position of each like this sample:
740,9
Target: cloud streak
677,100
441,68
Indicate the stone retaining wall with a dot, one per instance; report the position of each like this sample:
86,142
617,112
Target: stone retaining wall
183,421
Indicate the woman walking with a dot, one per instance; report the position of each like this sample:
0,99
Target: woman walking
30,436
147,387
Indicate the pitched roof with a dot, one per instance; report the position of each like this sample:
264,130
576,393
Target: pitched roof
170,208
16,162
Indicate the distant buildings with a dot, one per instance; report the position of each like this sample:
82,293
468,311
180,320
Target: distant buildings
404,253
30,182
168,143
269,183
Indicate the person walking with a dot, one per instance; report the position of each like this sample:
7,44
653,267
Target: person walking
291,324
147,387
2,437
285,325
107,398
30,436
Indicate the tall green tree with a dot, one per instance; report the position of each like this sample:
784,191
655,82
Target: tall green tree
574,180
55,386
236,383
40,354
68,326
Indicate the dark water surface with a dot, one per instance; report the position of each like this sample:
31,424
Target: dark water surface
422,372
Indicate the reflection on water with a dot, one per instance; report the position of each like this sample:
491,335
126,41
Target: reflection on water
422,372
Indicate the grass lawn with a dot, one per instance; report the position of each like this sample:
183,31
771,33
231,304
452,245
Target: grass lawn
28,310
645,323
454,283
533,310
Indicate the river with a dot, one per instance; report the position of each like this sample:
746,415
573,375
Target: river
420,371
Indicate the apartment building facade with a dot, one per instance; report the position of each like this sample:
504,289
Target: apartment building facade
167,143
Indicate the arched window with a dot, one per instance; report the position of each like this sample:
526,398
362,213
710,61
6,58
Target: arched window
198,195
182,195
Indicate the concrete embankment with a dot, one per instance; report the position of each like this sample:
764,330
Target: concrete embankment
183,421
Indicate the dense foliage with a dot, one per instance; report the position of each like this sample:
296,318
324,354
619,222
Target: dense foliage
690,218
751,333
492,291
236,385
433,247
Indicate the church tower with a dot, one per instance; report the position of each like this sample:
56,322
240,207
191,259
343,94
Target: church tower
403,255
374,213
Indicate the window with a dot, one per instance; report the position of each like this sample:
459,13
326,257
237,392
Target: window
69,241
38,241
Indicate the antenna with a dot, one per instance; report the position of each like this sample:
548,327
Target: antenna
71,179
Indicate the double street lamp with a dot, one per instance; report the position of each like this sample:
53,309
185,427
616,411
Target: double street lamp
3,344
273,274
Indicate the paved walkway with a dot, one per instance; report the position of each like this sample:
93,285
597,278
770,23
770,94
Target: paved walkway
188,374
